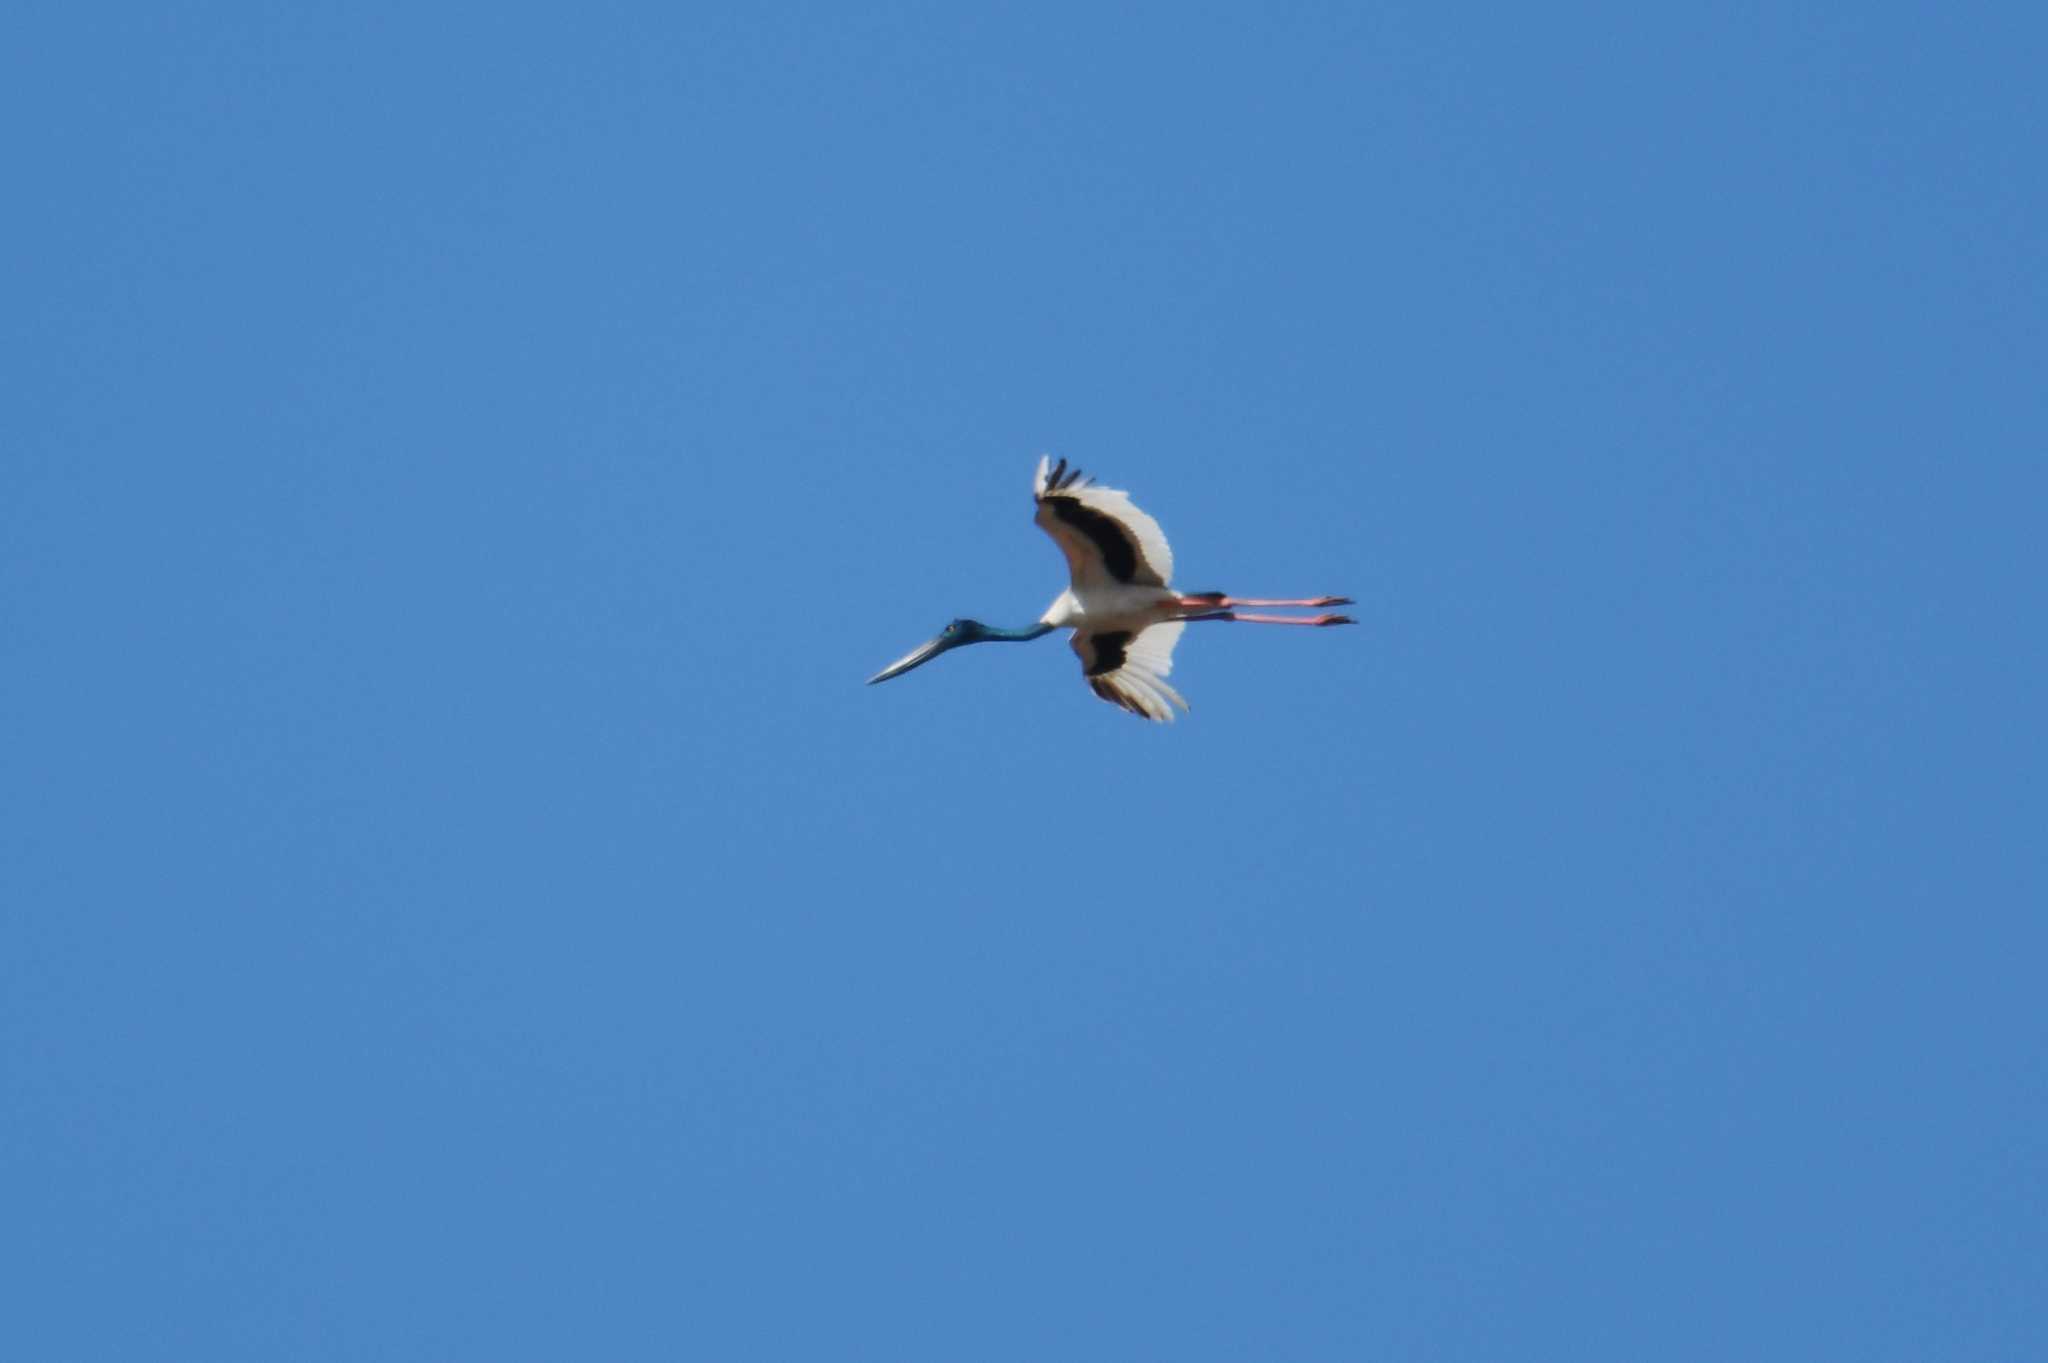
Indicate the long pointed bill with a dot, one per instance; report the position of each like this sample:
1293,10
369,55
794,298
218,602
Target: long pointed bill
923,653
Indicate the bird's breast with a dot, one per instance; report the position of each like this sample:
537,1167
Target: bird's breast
1120,606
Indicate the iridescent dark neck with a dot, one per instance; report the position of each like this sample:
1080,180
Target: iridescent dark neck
1010,636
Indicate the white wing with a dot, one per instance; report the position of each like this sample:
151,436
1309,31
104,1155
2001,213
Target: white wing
1131,671
1104,536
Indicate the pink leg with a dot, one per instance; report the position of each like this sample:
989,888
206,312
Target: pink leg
1277,619
1218,601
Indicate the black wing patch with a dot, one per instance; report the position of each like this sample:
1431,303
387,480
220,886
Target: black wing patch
1061,478
1119,554
1109,652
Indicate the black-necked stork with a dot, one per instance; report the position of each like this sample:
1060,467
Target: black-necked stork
1125,617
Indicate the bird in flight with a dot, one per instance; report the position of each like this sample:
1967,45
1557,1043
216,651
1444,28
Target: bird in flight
1126,619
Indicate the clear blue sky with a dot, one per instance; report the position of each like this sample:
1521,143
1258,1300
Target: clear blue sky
458,900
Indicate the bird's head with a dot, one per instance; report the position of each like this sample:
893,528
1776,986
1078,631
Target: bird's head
955,634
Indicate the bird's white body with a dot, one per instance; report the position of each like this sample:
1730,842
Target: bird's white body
1112,606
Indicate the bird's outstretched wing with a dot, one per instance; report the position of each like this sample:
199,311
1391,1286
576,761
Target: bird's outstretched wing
1104,536
1130,670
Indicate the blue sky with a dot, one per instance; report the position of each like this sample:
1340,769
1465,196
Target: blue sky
457,467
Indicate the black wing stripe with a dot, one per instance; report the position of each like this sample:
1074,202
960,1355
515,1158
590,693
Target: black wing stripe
1060,478
1119,554
1117,698
1109,652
